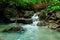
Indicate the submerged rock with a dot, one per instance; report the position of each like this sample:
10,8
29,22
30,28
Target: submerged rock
13,29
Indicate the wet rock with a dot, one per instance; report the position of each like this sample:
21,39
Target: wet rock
58,15
42,23
51,21
53,25
58,28
58,22
23,20
28,14
5,30
13,29
28,21
21,15
42,15
51,16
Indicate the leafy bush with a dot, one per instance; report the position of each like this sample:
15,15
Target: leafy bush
27,3
54,5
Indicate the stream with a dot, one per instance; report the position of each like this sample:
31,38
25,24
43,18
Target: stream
33,32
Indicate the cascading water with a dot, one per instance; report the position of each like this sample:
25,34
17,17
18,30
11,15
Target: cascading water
35,19
33,32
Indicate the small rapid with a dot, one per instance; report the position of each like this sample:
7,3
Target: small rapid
33,32
35,19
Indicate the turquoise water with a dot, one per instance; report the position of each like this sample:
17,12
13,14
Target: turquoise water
33,32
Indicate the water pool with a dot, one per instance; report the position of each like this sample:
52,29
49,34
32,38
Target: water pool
33,32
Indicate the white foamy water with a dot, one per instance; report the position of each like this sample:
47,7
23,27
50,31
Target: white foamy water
35,18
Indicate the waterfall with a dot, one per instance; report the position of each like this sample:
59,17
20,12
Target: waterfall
35,19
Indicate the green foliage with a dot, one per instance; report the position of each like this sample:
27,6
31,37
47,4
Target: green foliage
54,5
27,3
55,8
